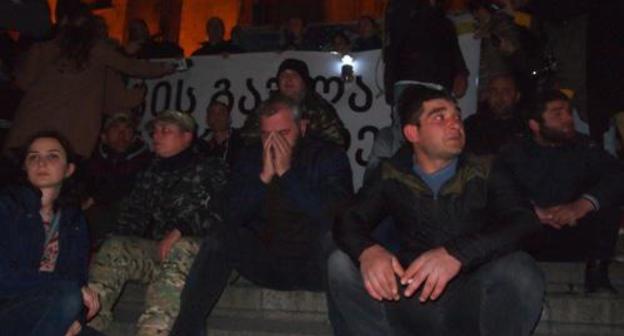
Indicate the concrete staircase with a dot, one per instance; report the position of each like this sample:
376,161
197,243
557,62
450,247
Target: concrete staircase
245,309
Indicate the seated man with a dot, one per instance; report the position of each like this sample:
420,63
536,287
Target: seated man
173,204
220,139
111,172
575,188
283,197
500,122
455,272
294,81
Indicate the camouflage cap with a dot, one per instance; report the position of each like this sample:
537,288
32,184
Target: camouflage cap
185,121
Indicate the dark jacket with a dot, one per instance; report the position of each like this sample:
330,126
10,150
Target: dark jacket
550,176
309,195
110,175
225,47
181,192
486,135
23,237
227,151
476,216
421,45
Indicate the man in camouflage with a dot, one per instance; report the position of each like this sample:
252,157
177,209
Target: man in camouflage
293,81
173,205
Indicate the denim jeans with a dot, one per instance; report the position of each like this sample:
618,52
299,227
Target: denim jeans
47,309
501,297
243,251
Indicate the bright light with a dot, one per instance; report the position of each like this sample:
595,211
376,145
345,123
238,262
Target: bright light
347,60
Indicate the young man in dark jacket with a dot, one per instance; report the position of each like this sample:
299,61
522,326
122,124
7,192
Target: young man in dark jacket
459,220
575,187
283,197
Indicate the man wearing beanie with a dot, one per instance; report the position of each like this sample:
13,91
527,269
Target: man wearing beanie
173,205
294,81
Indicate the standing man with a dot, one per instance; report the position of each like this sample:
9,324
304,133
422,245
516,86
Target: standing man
575,187
174,203
284,196
459,220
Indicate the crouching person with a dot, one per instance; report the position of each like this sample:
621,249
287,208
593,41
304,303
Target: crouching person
173,203
44,246
283,198
456,272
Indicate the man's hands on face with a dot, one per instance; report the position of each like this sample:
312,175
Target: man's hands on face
565,214
268,169
283,154
276,156
432,271
167,243
378,268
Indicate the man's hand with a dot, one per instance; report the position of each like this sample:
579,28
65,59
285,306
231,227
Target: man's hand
570,213
268,167
74,329
378,268
167,243
91,300
283,154
432,270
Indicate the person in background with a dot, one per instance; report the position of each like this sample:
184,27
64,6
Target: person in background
111,172
499,121
220,139
44,246
216,44
63,83
368,35
576,189
144,46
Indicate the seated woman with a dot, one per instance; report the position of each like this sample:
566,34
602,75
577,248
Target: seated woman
44,246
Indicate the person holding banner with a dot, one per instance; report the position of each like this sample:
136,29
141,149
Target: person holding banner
293,79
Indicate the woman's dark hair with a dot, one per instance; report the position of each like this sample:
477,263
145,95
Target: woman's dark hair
70,190
76,36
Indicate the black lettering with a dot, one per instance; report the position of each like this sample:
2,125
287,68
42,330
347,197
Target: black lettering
326,84
189,94
156,94
224,92
368,97
359,153
256,98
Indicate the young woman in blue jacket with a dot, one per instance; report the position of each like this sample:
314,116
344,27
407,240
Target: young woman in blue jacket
44,246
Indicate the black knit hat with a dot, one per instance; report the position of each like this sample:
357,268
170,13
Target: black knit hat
297,66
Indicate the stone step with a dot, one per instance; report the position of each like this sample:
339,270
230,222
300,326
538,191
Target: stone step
262,311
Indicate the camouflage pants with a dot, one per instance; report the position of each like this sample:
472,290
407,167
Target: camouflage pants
131,258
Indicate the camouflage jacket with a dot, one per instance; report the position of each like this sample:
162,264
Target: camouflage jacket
324,123
181,193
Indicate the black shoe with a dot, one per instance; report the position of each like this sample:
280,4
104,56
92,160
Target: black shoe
597,277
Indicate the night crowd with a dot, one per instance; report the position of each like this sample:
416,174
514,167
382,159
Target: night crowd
443,238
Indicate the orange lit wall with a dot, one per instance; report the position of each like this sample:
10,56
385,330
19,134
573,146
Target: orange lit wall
115,18
194,16
351,10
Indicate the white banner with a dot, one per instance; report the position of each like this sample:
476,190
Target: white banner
247,79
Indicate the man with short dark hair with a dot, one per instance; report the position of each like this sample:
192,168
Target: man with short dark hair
220,139
283,198
174,203
216,44
499,122
575,188
456,271
111,172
